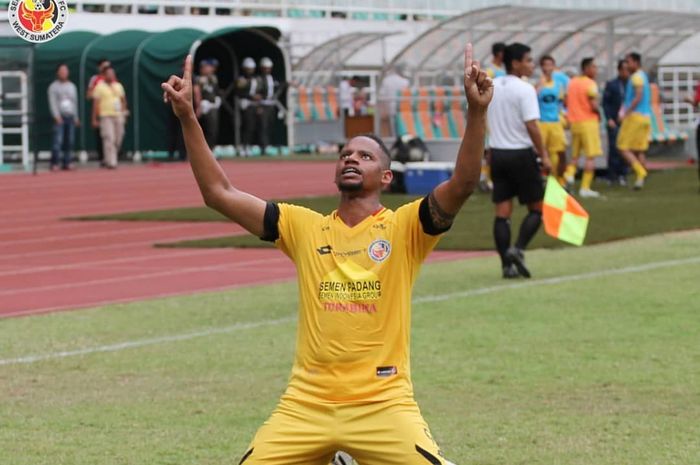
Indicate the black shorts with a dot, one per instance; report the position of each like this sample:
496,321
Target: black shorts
516,172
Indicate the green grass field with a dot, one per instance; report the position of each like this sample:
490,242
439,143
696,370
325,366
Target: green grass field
596,361
668,203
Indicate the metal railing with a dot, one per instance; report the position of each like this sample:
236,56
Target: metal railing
677,85
14,115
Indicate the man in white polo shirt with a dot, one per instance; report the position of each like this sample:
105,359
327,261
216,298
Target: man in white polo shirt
516,144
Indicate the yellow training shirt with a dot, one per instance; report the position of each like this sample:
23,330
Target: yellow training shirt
355,289
109,98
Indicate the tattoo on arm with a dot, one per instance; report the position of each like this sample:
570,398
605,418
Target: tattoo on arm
441,219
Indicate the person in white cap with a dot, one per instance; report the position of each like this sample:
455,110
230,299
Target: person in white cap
249,97
269,90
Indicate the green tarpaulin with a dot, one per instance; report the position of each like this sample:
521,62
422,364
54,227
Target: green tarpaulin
67,48
142,60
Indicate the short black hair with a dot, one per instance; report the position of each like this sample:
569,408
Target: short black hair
620,64
498,47
514,52
101,60
545,58
58,66
586,62
380,142
635,56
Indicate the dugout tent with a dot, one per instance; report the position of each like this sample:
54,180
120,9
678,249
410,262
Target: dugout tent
142,60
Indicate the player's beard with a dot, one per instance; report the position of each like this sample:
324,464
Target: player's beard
355,186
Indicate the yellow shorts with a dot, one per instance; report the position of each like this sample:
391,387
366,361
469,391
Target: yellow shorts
553,136
585,135
379,433
634,133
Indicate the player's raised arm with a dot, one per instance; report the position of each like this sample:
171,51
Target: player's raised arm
217,191
447,198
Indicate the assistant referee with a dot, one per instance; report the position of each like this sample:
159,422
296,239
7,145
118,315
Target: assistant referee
516,143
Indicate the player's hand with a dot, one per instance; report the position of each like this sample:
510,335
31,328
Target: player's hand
478,87
612,124
178,91
546,162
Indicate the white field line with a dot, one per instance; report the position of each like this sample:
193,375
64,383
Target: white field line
146,342
558,279
424,299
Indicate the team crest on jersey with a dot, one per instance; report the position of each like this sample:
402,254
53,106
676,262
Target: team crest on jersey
379,250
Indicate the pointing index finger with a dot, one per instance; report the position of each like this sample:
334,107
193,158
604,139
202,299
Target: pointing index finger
468,55
187,75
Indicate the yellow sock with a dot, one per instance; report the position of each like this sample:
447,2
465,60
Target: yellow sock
570,171
587,180
485,172
554,157
639,170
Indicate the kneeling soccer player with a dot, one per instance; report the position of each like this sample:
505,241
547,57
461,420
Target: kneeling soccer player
350,387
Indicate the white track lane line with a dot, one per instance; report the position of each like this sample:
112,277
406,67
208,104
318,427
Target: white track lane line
424,299
138,277
138,243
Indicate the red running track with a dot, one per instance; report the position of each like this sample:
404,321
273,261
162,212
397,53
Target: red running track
48,263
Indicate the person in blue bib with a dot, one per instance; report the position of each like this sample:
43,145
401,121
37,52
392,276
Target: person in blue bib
496,68
550,93
635,114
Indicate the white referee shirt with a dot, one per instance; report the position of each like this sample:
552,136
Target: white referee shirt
514,102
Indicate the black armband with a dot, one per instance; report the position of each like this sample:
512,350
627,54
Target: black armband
271,230
426,219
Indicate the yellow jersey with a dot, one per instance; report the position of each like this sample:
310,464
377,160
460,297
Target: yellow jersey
109,98
355,287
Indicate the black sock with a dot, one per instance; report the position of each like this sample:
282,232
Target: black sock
501,234
528,228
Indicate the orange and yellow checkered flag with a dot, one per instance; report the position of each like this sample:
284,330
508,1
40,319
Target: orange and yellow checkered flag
564,218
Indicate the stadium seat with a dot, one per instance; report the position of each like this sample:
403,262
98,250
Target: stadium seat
456,115
660,132
332,100
405,120
442,129
303,112
424,115
318,109
361,15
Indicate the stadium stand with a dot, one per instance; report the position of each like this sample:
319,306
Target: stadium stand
660,130
426,36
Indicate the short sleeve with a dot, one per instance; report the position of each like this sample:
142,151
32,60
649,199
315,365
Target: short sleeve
529,106
593,90
419,242
637,80
97,91
293,223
